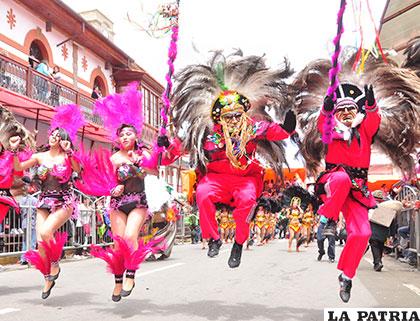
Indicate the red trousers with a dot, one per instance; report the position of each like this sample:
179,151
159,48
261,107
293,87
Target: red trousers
240,192
338,186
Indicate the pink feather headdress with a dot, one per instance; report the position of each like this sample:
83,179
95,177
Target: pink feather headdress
68,117
125,108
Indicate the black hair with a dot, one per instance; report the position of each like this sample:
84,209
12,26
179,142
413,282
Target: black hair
64,135
138,144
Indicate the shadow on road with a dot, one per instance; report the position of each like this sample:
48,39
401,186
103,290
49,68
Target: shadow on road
68,300
210,310
6,290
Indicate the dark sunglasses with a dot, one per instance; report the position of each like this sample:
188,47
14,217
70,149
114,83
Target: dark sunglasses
236,116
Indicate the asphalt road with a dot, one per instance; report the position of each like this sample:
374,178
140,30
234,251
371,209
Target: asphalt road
271,284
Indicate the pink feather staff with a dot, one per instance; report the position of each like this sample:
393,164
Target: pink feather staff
68,117
335,69
172,53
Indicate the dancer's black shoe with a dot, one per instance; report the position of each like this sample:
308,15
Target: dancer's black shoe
235,255
319,258
46,294
130,274
214,247
118,280
345,288
330,228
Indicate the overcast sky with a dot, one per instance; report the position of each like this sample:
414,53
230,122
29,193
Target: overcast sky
301,30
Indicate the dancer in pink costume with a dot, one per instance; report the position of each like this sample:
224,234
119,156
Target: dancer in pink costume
121,176
223,105
56,202
358,121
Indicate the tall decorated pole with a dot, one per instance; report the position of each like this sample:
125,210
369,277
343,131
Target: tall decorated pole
172,12
333,73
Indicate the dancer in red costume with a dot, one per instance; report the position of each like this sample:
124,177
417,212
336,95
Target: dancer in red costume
357,122
223,104
343,186
56,202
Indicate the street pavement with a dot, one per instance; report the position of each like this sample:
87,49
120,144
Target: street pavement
270,284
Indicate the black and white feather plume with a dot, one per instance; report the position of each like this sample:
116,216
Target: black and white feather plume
198,86
397,92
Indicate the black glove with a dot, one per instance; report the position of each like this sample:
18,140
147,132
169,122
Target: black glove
328,103
163,141
289,123
370,97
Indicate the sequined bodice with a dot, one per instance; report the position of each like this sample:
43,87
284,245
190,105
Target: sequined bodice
54,179
132,177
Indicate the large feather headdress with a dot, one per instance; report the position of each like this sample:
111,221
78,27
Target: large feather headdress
397,92
198,88
68,117
121,109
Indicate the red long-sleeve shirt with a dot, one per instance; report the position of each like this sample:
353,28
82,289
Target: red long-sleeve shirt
216,149
355,155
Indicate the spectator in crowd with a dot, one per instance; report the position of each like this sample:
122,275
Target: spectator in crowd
56,74
43,68
192,221
96,93
321,238
27,204
380,232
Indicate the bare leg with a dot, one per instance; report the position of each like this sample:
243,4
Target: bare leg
118,224
291,237
46,226
135,221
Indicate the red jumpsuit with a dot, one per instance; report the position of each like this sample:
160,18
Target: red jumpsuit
232,186
345,188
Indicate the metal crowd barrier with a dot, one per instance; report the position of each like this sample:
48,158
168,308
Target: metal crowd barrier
410,216
17,232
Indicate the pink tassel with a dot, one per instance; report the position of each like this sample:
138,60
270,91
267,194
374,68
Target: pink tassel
113,258
333,74
68,117
41,263
54,247
172,53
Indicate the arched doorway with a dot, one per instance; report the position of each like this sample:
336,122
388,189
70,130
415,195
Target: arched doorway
37,53
100,84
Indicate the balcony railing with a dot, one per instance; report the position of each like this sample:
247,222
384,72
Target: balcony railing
28,82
